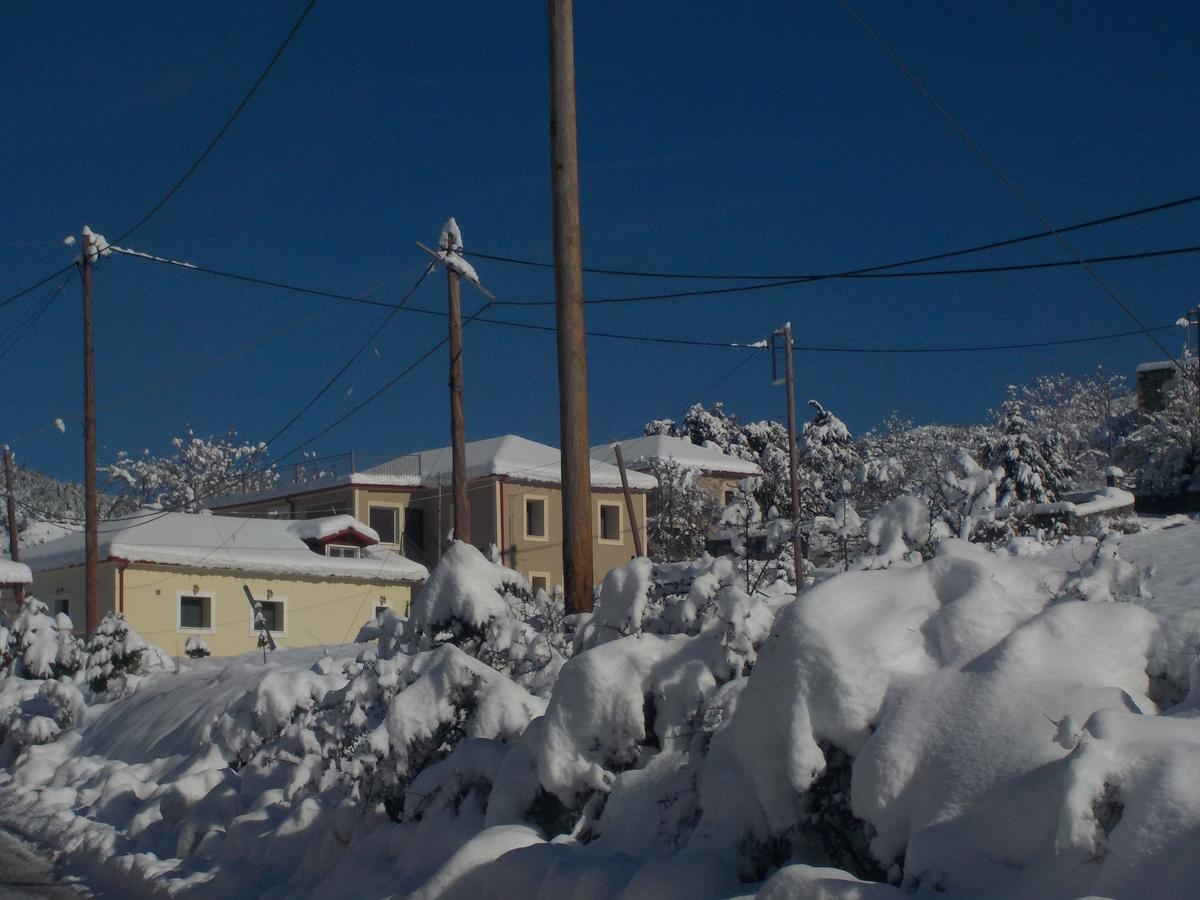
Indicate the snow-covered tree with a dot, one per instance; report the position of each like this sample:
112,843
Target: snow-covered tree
41,645
197,470
682,513
1033,473
1163,448
828,461
113,651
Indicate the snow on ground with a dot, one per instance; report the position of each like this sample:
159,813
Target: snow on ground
1010,724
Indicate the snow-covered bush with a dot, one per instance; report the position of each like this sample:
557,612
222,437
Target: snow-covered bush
114,651
35,712
196,648
1104,576
1033,472
40,645
488,612
900,530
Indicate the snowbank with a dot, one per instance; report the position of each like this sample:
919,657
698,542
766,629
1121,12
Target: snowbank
977,725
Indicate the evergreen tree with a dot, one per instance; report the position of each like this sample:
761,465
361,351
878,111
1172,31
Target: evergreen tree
1033,473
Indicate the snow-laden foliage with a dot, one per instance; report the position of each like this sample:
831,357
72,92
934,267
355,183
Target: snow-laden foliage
199,469
682,513
115,651
488,612
1163,449
1033,472
40,645
958,726
899,531
196,648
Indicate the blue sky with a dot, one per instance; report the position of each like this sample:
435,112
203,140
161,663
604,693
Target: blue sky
713,137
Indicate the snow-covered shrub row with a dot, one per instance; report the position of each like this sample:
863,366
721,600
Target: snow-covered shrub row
975,724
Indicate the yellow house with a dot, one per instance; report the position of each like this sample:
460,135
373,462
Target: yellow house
181,575
515,496
716,471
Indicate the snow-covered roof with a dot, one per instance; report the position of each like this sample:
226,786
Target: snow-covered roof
1088,503
521,459
14,572
204,541
331,526
640,452
1156,366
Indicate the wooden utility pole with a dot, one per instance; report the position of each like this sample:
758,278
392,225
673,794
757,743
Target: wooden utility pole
14,544
568,296
458,428
633,522
797,539
91,510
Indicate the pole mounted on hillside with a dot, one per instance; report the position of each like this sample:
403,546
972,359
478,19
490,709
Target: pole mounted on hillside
449,254
14,544
794,476
89,254
568,298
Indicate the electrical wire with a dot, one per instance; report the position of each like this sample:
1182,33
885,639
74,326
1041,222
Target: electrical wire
978,248
14,339
191,170
1012,185
528,326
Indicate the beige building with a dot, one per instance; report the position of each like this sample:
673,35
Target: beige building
717,471
182,575
515,495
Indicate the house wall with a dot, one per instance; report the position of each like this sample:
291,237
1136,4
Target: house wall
717,485
438,507
68,582
545,557
316,611
365,498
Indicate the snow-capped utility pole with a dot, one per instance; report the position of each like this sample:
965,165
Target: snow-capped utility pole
449,253
91,590
14,543
568,296
790,377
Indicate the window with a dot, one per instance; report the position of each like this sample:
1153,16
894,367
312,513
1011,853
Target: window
196,612
62,606
610,523
344,551
730,496
539,581
385,520
272,613
535,518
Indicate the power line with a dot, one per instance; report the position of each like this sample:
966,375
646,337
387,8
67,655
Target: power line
674,295
862,274
1012,185
333,295
357,353
14,340
191,170
978,248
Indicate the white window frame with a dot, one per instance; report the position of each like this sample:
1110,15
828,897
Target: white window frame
398,513
274,598
212,612
533,575
545,501
620,539
357,554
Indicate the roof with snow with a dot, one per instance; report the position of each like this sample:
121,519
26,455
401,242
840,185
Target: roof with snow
322,530
519,458
640,452
205,541
14,572
1156,366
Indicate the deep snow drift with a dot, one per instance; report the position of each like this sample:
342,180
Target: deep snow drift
1024,723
